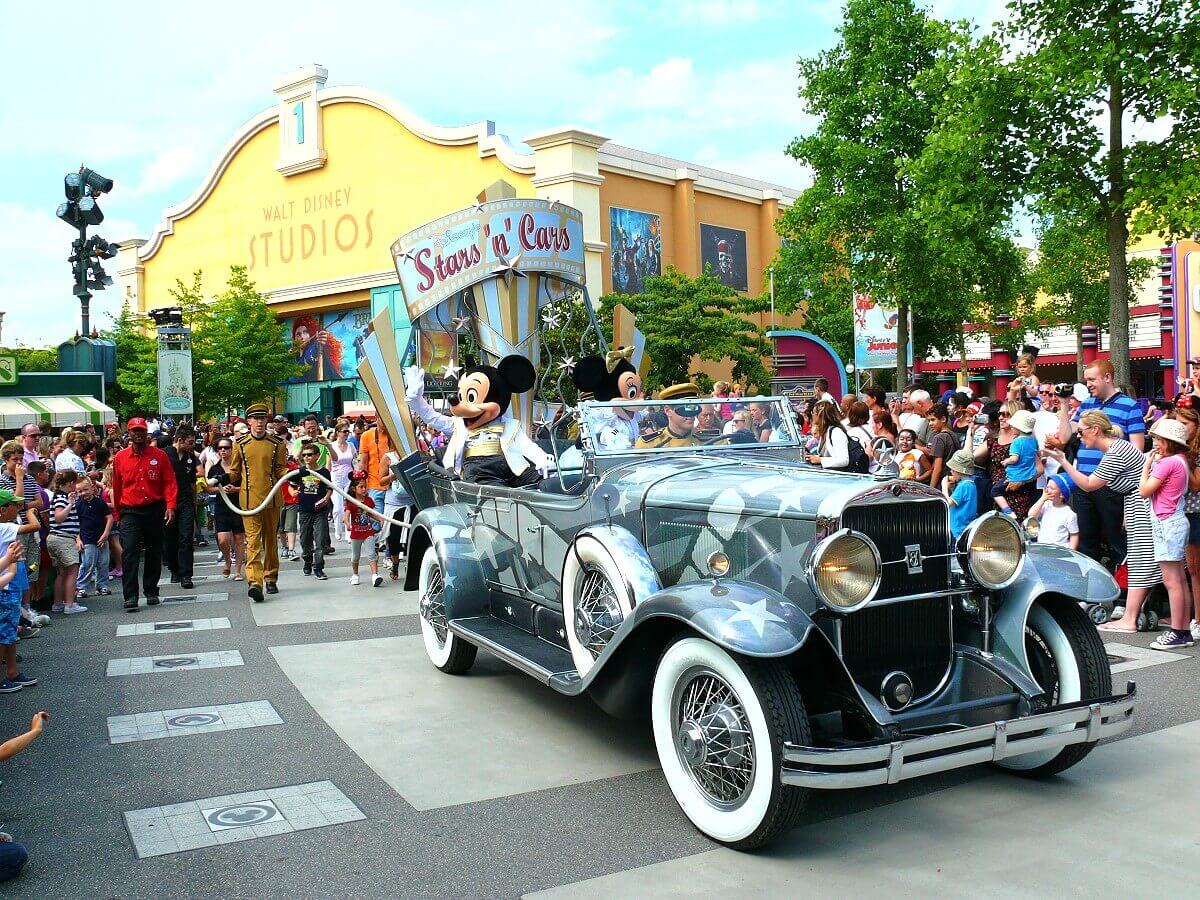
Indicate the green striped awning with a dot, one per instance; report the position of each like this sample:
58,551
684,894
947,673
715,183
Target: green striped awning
60,411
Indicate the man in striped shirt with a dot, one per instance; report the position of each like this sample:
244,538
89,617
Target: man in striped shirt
1101,513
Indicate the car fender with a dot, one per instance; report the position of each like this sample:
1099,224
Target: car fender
453,532
1048,569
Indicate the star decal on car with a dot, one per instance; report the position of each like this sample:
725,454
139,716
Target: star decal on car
755,614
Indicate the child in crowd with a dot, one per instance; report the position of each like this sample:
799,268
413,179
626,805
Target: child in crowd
63,541
1057,522
13,856
1021,464
95,526
313,508
909,457
11,571
362,527
1025,386
1165,481
41,473
289,515
959,488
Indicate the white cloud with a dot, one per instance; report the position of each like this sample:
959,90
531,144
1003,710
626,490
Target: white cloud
167,169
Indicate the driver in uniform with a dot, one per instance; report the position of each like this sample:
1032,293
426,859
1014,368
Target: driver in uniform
681,420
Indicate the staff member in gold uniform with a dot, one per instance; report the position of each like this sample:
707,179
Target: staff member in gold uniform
681,419
259,460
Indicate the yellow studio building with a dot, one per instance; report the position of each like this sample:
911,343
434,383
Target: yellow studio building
310,193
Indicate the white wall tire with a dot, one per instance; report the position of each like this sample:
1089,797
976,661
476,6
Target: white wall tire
592,611
1081,672
447,651
753,805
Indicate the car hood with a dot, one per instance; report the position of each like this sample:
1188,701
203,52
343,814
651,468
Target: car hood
765,484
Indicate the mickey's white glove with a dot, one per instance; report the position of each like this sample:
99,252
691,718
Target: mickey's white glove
414,383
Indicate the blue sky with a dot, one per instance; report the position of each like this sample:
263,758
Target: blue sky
709,81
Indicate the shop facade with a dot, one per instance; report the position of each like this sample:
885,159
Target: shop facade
310,193
1164,333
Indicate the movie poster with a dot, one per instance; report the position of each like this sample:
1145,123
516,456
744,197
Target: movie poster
725,250
635,239
328,343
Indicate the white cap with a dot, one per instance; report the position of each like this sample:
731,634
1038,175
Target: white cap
1080,393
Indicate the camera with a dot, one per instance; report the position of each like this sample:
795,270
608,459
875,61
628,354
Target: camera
1064,389
980,418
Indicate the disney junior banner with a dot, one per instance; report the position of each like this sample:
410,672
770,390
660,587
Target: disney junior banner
875,334
501,238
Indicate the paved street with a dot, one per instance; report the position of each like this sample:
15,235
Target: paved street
304,747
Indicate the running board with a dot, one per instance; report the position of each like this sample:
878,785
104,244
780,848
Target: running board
521,650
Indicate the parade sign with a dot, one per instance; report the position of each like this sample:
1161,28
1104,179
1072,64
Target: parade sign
175,382
506,238
875,334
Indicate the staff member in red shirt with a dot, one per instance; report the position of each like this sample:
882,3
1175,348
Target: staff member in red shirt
144,494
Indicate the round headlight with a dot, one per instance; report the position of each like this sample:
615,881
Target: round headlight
845,570
994,548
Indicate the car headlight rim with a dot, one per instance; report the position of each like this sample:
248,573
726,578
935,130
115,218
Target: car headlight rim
849,543
992,571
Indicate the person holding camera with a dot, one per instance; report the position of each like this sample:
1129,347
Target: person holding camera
1101,512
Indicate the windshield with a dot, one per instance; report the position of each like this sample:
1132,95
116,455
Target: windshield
658,426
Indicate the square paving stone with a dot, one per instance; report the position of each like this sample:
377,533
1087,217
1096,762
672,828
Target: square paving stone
146,665
233,818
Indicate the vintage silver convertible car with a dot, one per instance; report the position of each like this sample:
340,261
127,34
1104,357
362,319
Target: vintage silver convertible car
786,628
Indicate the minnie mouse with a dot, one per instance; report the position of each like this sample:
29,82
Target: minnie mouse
612,377
486,444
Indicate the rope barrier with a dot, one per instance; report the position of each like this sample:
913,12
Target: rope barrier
295,473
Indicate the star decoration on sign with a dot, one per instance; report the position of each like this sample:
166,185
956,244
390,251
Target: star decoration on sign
451,370
567,365
407,255
478,205
550,318
507,269
554,204
460,322
756,614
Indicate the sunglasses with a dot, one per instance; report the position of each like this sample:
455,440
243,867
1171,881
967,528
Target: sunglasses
308,455
1003,415
225,447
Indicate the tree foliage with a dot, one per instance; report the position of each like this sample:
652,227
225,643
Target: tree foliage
35,359
684,317
239,350
1089,108
136,390
872,221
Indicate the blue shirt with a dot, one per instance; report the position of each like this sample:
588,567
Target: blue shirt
1125,413
966,502
92,515
1025,450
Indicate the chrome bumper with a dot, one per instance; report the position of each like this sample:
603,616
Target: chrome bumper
1081,723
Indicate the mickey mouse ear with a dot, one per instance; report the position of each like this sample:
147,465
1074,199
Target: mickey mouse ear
469,362
518,372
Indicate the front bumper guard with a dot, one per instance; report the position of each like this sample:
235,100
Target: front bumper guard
1085,722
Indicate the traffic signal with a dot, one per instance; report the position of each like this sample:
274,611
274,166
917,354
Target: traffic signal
81,210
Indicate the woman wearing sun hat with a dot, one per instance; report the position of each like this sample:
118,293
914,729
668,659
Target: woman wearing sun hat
1164,483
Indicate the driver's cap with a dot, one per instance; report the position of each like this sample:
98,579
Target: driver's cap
679,392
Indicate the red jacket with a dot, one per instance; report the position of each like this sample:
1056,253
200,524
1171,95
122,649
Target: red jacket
142,478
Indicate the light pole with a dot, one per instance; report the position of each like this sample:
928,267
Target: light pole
82,188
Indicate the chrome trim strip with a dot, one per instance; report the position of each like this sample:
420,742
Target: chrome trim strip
1084,722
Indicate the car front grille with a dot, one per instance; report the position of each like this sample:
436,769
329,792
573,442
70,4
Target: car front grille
913,637
894,527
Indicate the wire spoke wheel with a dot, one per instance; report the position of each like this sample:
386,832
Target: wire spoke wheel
433,604
598,612
712,737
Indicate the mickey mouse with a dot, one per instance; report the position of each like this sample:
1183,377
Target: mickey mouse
486,444
607,378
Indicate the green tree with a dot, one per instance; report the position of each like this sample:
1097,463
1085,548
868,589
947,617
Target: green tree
684,317
1108,121
136,390
35,359
239,350
866,224
1072,273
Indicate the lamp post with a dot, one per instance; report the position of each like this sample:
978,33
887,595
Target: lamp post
81,189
